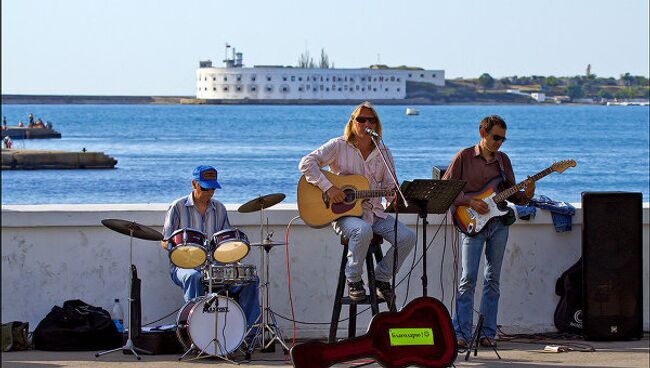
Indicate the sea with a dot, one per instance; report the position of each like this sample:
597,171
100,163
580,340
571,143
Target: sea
256,148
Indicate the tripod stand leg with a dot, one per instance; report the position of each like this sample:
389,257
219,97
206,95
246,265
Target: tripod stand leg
475,338
192,347
275,331
97,355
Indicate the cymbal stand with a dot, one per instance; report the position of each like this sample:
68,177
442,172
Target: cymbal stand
129,342
266,325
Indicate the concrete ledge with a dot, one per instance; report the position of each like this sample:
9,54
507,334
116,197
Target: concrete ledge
52,253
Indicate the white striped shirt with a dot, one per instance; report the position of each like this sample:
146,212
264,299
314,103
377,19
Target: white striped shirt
343,158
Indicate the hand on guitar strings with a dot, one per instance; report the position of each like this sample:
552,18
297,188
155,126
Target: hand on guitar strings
530,188
479,205
335,194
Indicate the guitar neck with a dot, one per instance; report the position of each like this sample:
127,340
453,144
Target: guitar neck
373,193
514,189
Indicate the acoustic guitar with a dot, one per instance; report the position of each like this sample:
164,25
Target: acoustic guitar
315,207
421,334
470,222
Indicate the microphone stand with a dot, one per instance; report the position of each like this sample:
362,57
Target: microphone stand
374,136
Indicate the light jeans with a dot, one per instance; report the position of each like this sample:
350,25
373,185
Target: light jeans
360,234
495,236
247,295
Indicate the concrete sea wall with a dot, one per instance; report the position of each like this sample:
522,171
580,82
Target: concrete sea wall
52,253
36,159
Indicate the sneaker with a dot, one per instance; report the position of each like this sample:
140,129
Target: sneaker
487,343
385,291
356,291
462,344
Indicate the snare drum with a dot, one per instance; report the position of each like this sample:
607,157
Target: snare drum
229,245
230,274
187,248
206,318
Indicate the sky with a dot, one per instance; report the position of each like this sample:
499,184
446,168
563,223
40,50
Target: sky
153,47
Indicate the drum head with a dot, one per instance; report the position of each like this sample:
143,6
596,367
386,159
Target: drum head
230,252
223,318
187,256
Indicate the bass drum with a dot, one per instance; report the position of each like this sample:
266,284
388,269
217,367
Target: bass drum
203,318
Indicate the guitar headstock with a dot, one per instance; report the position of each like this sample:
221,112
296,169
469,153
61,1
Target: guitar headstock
563,165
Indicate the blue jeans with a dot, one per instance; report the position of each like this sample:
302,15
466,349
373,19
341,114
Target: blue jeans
495,236
247,295
360,234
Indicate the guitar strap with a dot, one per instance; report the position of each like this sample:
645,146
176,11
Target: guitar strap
509,218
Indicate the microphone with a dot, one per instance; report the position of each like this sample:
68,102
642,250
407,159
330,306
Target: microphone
372,133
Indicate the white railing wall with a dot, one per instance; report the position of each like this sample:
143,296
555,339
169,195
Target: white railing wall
52,253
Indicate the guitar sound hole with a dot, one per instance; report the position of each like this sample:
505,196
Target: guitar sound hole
349,195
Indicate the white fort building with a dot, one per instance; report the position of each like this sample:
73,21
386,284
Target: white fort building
271,82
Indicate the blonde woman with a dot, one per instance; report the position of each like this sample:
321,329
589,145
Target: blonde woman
355,153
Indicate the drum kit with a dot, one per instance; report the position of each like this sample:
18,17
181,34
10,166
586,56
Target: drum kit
214,325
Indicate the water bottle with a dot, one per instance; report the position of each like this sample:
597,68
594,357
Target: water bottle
117,315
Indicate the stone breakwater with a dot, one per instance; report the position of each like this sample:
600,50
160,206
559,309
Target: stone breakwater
30,133
34,159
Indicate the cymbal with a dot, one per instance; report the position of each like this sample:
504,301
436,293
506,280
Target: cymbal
260,202
139,231
265,244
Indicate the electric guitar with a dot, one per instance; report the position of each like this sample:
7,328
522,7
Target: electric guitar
470,222
315,207
421,334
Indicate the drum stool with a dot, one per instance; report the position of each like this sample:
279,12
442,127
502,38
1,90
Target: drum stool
373,250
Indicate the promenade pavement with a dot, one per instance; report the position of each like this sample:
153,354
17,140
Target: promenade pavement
521,353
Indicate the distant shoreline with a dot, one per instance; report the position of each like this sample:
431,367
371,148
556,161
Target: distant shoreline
9,99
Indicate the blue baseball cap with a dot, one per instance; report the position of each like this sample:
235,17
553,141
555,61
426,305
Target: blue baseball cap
206,176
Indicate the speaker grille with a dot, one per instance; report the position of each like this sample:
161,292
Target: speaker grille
612,256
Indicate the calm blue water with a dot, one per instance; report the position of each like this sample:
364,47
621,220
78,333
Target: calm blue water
257,148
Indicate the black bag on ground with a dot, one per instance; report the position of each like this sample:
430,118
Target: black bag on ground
568,313
76,326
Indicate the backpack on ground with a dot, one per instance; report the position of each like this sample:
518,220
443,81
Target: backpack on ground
76,326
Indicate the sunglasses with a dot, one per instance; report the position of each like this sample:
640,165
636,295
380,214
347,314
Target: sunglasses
205,189
362,120
498,138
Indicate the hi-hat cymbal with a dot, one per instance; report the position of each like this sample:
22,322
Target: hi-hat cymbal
260,202
139,231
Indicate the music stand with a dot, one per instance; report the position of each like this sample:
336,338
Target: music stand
426,196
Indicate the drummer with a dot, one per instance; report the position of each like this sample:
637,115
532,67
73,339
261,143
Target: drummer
200,211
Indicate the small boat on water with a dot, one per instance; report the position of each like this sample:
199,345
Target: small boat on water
412,111
16,132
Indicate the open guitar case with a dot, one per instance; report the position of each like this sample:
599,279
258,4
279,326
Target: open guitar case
156,341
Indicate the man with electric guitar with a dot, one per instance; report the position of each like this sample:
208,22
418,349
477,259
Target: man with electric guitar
349,196
486,171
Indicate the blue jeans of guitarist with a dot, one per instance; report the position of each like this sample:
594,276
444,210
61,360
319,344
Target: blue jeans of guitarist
360,234
494,236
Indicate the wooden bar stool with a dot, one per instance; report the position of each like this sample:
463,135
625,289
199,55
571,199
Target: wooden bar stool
371,298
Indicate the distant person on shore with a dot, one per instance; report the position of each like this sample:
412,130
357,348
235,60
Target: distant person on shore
7,142
355,153
477,165
31,119
199,211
